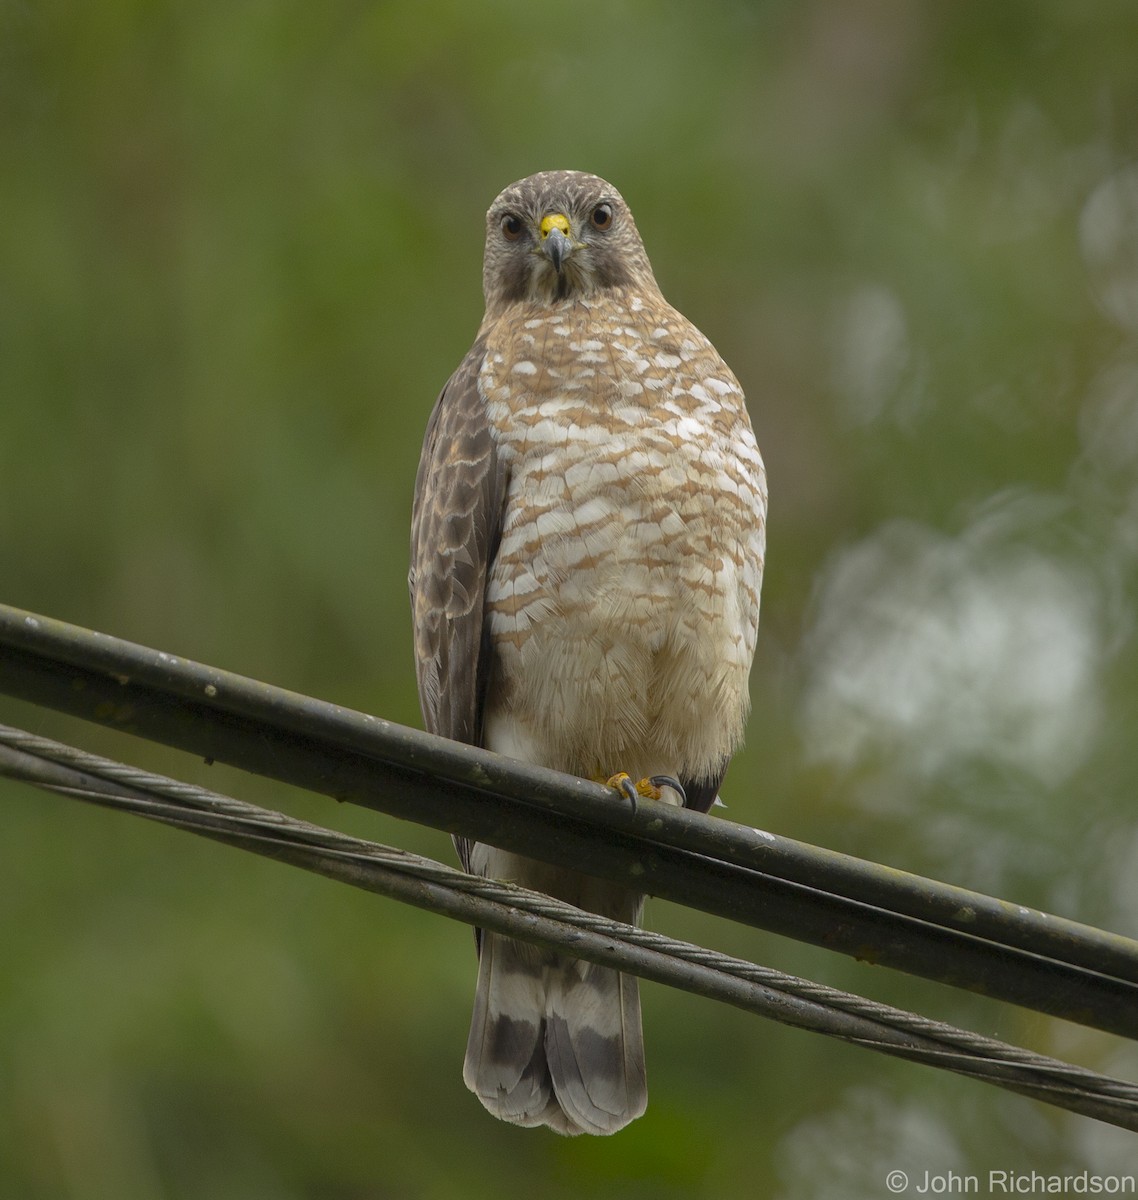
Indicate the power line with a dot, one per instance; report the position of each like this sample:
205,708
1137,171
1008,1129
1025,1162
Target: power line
530,916
917,925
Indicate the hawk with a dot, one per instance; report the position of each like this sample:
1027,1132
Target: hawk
587,546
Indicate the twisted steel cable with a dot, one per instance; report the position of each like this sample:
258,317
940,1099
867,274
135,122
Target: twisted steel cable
530,916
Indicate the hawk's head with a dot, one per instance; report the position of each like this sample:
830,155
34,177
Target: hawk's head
560,235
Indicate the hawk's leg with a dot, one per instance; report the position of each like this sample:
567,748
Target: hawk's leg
622,782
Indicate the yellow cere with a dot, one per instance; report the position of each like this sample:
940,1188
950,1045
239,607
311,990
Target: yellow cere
552,221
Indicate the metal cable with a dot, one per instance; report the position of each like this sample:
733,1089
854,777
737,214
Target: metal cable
1005,951
529,916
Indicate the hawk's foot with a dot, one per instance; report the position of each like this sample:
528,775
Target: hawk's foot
622,782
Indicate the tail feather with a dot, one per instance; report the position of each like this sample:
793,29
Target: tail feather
595,1048
555,1041
505,1061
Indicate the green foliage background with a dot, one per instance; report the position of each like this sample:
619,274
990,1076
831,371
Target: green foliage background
240,248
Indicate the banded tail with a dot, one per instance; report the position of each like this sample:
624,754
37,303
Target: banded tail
555,1041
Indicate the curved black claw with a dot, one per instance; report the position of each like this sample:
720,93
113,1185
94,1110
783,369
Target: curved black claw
629,789
662,781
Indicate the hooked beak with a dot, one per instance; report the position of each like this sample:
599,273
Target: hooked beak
556,240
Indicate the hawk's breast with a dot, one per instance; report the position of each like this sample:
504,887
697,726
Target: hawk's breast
623,602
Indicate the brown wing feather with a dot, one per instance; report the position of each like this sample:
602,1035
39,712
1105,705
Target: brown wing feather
455,525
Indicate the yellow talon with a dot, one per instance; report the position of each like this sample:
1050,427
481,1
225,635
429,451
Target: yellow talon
622,784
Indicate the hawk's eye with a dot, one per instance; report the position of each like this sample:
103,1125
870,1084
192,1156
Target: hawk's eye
602,216
512,227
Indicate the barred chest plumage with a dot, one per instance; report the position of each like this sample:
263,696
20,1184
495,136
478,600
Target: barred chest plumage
624,599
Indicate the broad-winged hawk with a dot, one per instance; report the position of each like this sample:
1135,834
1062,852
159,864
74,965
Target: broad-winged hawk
586,556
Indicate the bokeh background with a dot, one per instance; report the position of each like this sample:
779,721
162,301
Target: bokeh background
240,252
